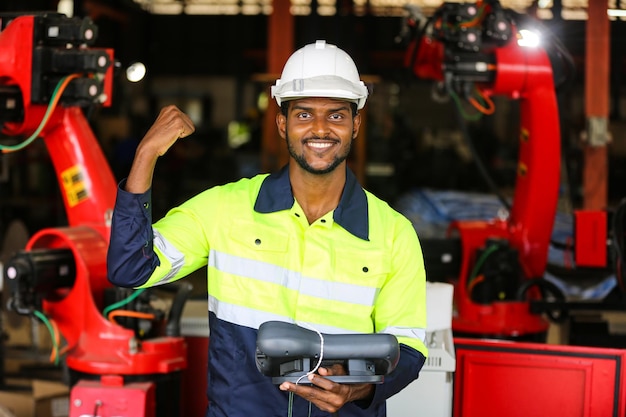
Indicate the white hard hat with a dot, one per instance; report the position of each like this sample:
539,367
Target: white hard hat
320,70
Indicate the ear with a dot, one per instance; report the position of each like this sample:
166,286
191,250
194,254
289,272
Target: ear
356,125
281,123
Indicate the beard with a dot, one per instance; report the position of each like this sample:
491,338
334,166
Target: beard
302,162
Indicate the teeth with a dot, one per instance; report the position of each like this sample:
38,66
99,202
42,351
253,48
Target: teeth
319,145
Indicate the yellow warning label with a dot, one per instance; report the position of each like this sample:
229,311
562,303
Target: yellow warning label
524,134
74,185
522,169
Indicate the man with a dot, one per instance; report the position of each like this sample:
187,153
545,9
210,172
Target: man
305,245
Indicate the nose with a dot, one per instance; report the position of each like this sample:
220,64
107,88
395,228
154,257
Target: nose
320,127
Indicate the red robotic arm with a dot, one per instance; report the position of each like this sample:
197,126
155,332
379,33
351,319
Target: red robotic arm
469,48
29,65
48,72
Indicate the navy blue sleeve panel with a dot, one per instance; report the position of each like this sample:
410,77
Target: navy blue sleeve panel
130,258
407,370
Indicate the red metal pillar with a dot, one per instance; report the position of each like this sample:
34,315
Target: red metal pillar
280,45
595,172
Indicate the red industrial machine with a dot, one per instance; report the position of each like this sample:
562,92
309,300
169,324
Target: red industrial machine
48,73
474,51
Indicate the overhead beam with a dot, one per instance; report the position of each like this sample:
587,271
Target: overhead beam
280,45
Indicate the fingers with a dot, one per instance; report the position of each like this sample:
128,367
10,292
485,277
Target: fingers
323,383
323,393
176,121
170,125
188,127
333,370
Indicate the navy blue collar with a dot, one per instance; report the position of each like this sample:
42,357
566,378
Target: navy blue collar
351,213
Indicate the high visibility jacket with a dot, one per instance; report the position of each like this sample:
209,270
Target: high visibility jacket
357,269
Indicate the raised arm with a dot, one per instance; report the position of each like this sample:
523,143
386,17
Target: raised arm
170,125
131,259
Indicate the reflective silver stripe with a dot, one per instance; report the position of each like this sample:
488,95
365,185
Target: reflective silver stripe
339,291
413,333
250,268
243,316
173,255
249,317
274,274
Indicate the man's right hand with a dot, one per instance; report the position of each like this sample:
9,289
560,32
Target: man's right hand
171,124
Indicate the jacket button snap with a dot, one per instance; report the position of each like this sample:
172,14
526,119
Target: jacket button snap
257,241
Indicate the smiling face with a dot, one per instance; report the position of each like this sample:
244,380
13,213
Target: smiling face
318,132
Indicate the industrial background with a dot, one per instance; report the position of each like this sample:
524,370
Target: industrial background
546,276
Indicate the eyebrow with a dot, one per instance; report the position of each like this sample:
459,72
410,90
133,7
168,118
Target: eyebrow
332,110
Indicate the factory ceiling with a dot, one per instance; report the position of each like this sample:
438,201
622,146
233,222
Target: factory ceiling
544,9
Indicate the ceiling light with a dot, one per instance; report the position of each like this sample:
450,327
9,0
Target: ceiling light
528,38
616,12
135,72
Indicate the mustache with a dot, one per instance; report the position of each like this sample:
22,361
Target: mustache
327,137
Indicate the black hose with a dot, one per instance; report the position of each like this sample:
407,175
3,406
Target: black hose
172,328
478,161
546,288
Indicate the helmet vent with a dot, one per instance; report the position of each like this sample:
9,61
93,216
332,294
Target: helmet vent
298,84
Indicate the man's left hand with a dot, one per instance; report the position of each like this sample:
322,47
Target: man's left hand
328,395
